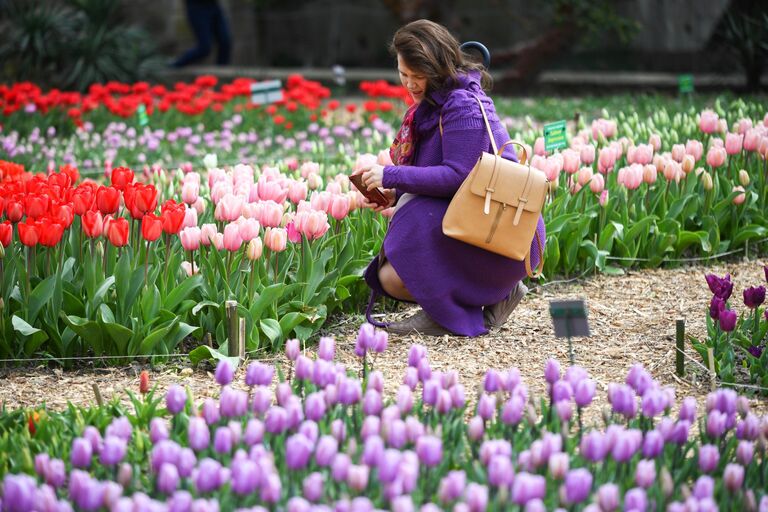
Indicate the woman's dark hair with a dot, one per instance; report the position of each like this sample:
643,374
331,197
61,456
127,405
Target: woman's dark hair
429,48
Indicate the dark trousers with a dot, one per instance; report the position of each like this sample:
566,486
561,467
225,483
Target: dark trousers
208,22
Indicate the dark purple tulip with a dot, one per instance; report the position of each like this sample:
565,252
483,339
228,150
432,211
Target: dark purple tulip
175,399
225,372
113,451
327,348
18,493
245,477
593,446
765,269
552,371
653,444
486,406
608,497
82,451
527,487
222,440
727,320
578,484
754,296
430,450
636,499
709,456
259,374
733,476
198,434
716,306
688,409
720,286
298,449
755,350
584,392
167,479
208,476
645,473
415,354
477,497
492,381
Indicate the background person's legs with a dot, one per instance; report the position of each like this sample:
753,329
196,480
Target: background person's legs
392,283
223,36
199,17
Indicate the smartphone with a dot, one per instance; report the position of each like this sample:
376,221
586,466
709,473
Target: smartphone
374,196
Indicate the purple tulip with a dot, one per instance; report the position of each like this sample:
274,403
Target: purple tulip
744,452
357,477
404,399
271,488
709,456
486,406
259,374
158,430
403,504
430,450
314,406
608,497
262,399
208,476
645,473
721,287
704,487
622,398
292,349
492,381
304,368
458,396
175,399
755,350
376,381
716,306
380,341
340,467
326,450
688,409
187,462
425,370
727,320
765,269
167,479
365,339
211,411
653,444
18,493
444,402
222,440
246,476
564,410
552,371
113,451
593,446
82,451
338,430
55,473
415,354
276,420
559,463
477,497
298,449
754,296
452,486
198,434
512,412
164,452
500,471
749,428
350,391
584,392
561,390
225,372
181,501
527,487
578,483
327,348
411,377
373,451
120,427
636,499
372,402
624,447
371,427
716,424
733,476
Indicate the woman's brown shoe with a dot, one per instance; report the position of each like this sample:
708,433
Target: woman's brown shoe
497,314
419,323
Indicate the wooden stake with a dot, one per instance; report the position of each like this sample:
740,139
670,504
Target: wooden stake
96,392
234,324
712,375
241,340
680,343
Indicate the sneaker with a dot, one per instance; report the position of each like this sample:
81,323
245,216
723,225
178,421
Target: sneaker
497,314
419,323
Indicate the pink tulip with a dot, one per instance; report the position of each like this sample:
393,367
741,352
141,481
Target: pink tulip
191,177
229,208
539,162
271,214
220,189
694,148
762,147
642,155
678,152
190,217
733,143
232,239
190,268
649,174
751,140
315,225
314,181
339,207
604,126
189,192
716,157
716,142
632,176
606,160
276,239
207,233
604,197
354,204
672,171
254,249
587,154
722,126
333,188
585,174
551,166
199,206
571,160
688,163
297,191
384,158
294,236
249,228
190,238
655,142
573,184
538,147
321,201
708,122
270,191
597,185
303,206
242,173
739,199
217,241
364,161
744,125
308,168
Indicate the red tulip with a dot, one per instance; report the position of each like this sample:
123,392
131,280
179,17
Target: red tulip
93,224
117,232
108,200
50,232
121,176
71,171
144,382
151,227
82,199
60,180
36,205
145,198
172,214
28,234
14,211
6,233
63,214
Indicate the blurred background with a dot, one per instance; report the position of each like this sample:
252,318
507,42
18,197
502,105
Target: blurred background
549,46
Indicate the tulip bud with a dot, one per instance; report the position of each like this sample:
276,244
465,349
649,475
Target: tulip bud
254,249
530,415
667,484
743,178
706,181
699,171
688,163
750,502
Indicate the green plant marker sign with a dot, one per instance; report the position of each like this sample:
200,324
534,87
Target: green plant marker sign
554,135
141,111
685,84
569,318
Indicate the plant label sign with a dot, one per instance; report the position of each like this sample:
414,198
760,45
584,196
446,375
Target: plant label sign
141,111
554,135
685,84
569,318
268,91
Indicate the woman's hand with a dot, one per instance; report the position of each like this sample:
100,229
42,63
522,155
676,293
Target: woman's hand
389,193
373,176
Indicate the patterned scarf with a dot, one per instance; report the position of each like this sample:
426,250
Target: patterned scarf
404,145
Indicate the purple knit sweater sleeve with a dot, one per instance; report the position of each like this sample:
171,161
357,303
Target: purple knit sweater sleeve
464,139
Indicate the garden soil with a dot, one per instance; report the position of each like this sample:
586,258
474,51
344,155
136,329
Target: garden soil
632,320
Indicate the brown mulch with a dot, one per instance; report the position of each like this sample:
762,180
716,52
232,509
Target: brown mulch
632,319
